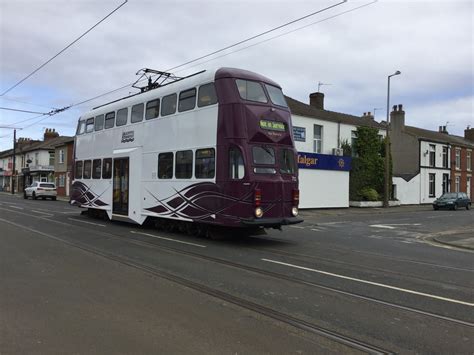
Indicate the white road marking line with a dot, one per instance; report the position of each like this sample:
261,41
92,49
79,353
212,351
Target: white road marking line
80,220
49,214
316,230
75,212
373,283
403,224
18,208
381,226
170,239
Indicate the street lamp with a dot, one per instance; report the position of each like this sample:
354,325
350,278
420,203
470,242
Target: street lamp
387,144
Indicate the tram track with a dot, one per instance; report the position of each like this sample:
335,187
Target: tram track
255,270
221,295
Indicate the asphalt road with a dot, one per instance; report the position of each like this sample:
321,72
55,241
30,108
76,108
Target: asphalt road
341,282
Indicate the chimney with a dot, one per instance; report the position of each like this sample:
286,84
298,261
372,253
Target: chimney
397,118
469,133
316,100
50,134
442,129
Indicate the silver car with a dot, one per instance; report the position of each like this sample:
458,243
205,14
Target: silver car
41,190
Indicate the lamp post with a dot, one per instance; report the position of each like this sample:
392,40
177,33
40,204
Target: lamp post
387,145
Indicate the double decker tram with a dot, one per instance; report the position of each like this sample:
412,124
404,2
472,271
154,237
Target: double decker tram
213,151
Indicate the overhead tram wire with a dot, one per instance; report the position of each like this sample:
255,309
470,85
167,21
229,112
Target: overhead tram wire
219,50
22,111
63,50
253,37
281,35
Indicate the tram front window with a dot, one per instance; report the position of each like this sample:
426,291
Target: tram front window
263,155
251,90
276,95
287,161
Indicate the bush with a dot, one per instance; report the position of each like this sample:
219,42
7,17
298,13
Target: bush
368,194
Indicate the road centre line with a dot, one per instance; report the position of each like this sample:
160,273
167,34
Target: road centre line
80,220
372,283
381,226
49,214
170,239
18,208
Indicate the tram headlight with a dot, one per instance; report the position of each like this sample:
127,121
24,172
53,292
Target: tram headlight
258,212
294,211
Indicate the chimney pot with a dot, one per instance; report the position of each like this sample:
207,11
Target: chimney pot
394,107
400,107
316,100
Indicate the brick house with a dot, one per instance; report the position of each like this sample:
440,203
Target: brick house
461,165
63,157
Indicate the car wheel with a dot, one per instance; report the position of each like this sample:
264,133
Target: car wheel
34,196
455,206
53,198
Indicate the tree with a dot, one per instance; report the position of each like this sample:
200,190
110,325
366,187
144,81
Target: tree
367,174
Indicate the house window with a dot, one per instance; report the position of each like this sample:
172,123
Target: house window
51,158
61,180
61,156
457,183
432,182
458,159
317,138
445,157
445,183
432,155
468,161
468,186
36,158
353,143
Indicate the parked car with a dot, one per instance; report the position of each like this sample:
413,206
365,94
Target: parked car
452,200
41,190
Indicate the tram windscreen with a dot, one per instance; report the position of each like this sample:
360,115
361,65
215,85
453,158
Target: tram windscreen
276,95
251,90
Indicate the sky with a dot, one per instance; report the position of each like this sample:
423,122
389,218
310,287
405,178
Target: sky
352,47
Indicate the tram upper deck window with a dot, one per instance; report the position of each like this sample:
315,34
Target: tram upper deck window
263,155
204,164
184,164
110,120
168,105
187,100
287,161
99,123
78,170
122,116
90,125
152,109
276,95
251,90
137,113
207,95
236,164
81,127
165,165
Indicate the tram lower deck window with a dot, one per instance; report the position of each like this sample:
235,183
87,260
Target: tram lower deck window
78,170
184,164
87,169
205,162
96,168
165,165
107,168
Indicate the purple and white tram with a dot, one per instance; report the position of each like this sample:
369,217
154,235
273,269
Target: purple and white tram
213,149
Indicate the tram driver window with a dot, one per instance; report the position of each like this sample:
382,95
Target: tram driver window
251,90
87,169
187,100
184,164
204,165
107,168
263,155
110,120
78,170
287,161
96,168
236,164
168,105
165,165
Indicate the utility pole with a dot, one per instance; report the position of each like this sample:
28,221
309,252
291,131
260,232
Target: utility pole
14,154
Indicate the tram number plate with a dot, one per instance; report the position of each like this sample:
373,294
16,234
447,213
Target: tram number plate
272,125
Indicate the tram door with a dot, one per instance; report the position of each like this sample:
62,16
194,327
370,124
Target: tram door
120,186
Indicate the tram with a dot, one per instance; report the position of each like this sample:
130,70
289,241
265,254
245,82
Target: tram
214,149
